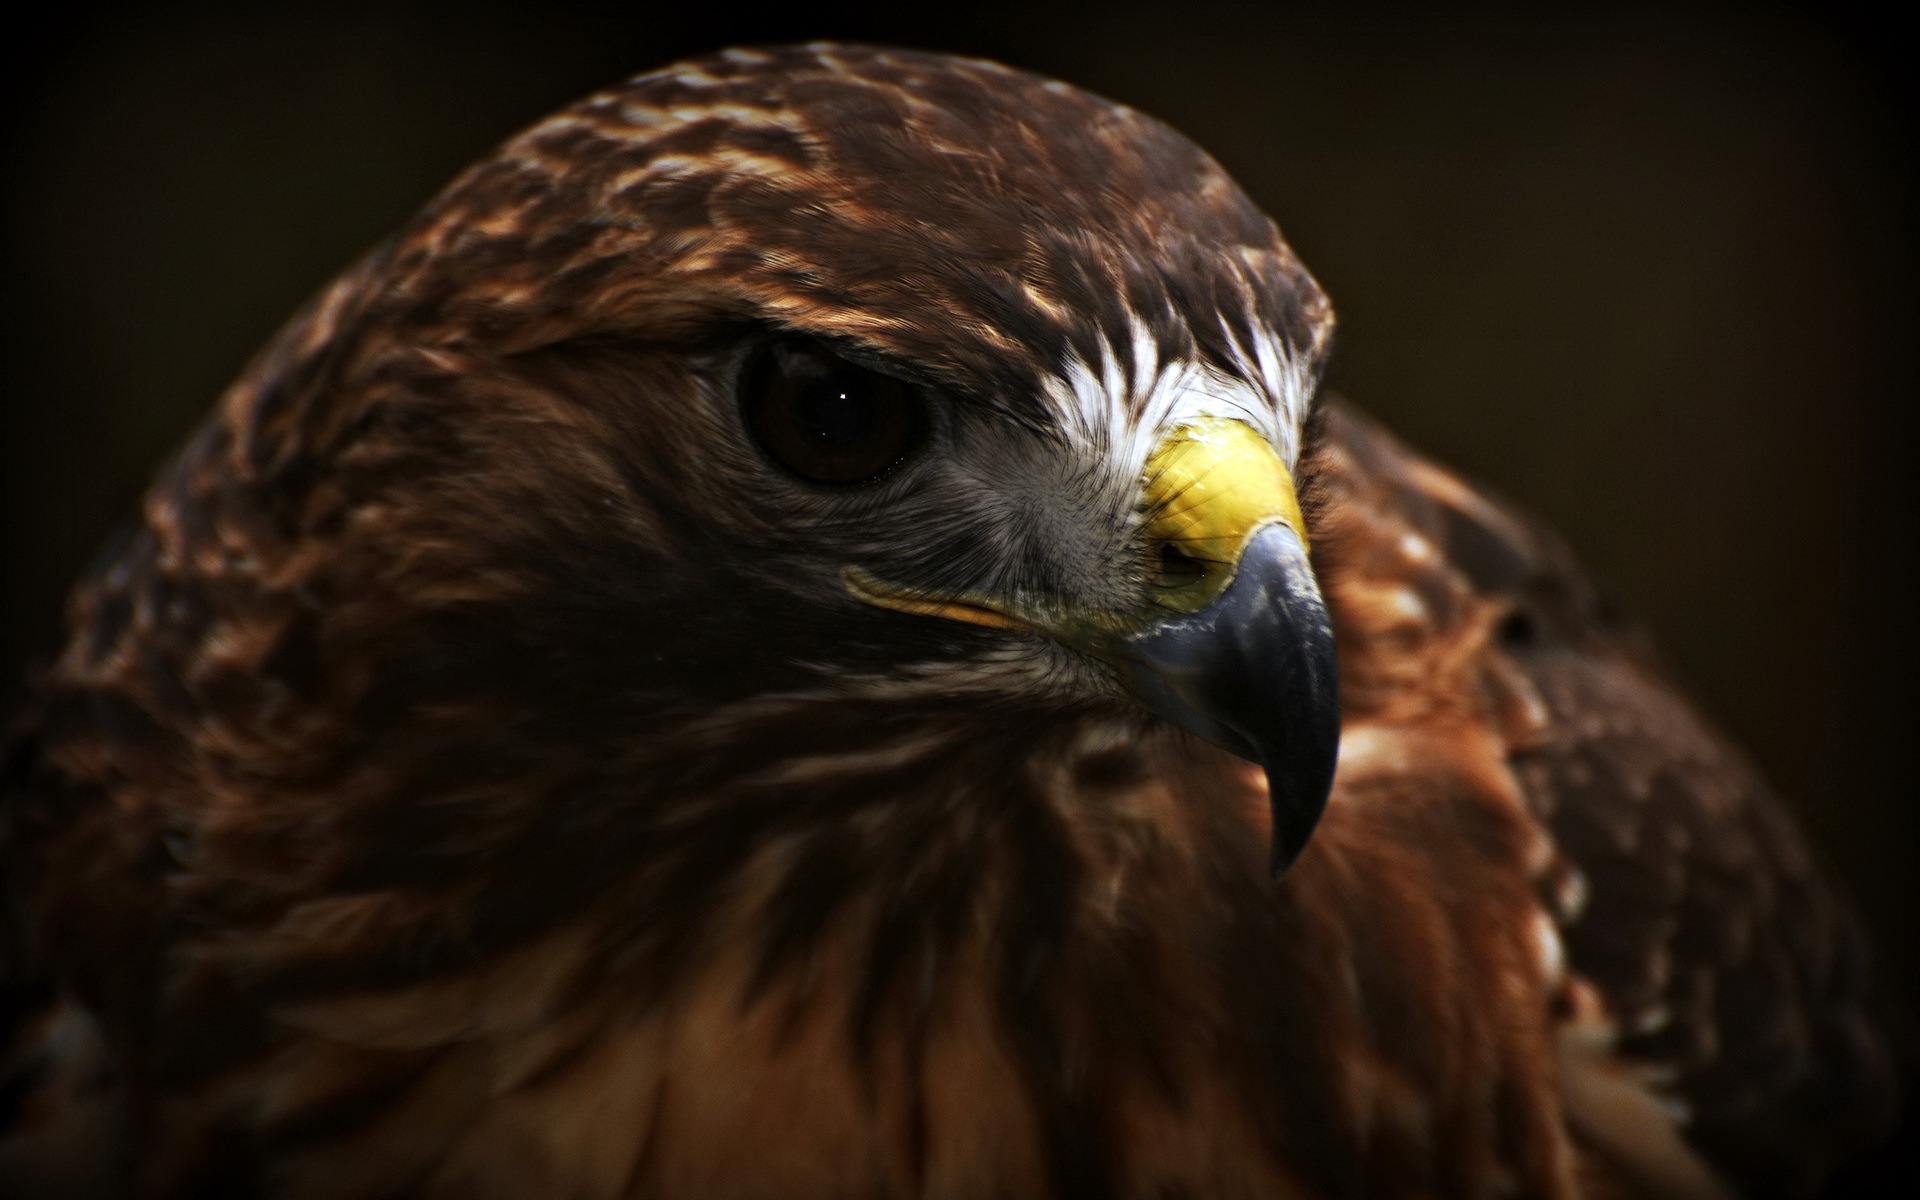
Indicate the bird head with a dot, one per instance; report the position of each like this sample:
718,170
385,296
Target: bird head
885,374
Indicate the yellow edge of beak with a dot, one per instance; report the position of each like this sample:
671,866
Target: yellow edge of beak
866,587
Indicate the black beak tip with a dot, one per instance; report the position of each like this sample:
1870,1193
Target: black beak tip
1297,807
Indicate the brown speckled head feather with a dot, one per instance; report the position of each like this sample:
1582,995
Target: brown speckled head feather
471,777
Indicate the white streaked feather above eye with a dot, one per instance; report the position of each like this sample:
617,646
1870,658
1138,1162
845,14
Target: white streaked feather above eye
1120,414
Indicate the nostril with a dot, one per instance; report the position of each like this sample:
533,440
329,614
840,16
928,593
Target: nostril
1178,567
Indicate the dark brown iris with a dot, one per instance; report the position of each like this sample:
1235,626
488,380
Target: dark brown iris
827,420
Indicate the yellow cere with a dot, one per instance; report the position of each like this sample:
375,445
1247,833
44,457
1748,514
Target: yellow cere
1209,487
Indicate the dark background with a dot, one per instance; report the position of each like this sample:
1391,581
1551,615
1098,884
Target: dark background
1647,270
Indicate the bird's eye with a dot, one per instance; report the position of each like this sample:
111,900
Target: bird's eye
827,420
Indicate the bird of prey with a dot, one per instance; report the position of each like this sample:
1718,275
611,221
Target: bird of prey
803,631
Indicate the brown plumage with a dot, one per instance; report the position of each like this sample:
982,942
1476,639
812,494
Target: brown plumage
473,777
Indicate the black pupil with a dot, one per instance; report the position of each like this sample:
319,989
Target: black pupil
837,412
827,420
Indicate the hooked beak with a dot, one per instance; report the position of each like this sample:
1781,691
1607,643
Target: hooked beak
1235,645
1254,672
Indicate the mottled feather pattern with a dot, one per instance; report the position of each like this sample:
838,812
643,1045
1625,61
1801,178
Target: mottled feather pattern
469,777
1727,976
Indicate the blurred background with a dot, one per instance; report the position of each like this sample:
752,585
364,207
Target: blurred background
1648,271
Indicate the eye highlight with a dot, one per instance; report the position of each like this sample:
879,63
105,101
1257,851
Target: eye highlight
827,420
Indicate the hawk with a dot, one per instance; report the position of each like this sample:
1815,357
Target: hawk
802,631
